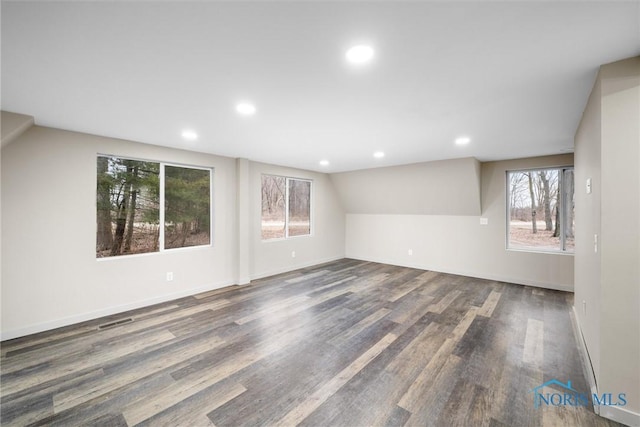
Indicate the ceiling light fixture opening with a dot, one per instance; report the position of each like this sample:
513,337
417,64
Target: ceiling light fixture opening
246,108
189,135
463,140
360,54
378,154
324,162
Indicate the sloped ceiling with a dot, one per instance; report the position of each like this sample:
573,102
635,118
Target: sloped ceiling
445,187
13,125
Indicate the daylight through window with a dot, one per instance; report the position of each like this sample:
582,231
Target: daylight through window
286,207
540,207
129,196
187,206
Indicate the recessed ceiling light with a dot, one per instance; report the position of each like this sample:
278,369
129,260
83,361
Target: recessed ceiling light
463,140
378,154
246,109
324,162
189,135
360,54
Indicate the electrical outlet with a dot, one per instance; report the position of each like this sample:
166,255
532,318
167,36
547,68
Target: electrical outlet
410,252
584,307
169,276
595,243
293,254
484,221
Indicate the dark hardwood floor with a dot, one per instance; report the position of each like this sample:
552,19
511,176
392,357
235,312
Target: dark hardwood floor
348,343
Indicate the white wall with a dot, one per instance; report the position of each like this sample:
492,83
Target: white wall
620,230
587,261
327,240
12,125
50,272
608,152
50,275
455,243
444,187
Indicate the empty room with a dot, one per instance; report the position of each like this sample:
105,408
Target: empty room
320,213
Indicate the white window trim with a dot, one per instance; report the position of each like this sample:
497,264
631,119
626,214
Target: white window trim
162,182
286,209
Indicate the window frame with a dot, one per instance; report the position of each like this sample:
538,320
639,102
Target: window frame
562,206
286,208
161,207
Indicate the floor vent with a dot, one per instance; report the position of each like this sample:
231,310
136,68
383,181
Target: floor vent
116,323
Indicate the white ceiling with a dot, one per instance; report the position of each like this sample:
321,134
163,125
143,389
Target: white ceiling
514,77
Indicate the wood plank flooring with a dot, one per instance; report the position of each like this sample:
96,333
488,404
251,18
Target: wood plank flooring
348,343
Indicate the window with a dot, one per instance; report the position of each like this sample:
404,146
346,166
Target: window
540,207
286,207
187,207
129,196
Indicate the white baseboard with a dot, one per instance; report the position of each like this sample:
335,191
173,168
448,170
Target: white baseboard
70,320
587,366
294,267
497,278
621,415
615,413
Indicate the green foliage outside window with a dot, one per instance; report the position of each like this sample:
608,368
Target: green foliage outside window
128,207
187,207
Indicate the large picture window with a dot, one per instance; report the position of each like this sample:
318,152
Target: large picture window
286,207
540,206
129,195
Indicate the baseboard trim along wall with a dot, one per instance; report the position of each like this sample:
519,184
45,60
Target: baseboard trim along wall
66,321
58,323
587,366
620,415
614,413
497,278
294,267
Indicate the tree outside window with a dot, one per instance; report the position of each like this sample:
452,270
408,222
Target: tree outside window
187,207
541,209
128,214
286,207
